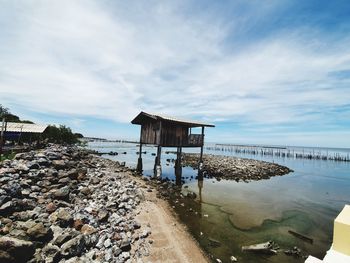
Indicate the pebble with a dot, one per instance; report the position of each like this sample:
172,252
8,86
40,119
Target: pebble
77,206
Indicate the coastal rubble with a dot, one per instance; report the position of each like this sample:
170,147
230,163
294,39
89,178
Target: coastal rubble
234,168
62,204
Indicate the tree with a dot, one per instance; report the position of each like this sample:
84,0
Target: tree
60,134
5,113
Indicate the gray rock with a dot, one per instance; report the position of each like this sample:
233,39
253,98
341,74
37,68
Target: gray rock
125,245
102,215
62,193
15,250
39,232
107,243
73,247
51,253
62,216
63,236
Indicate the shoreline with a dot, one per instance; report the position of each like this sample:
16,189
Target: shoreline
104,211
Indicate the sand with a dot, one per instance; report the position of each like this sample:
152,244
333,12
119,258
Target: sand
171,240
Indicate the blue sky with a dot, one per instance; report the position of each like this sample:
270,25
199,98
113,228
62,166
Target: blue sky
268,72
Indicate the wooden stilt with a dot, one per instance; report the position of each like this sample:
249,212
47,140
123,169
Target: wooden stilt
178,166
201,154
139,160
2,136
157,163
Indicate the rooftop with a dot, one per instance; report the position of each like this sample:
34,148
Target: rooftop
143,116
25,127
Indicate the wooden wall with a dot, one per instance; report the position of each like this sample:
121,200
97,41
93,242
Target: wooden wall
166,134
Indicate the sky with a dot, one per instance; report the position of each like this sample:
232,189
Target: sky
264,72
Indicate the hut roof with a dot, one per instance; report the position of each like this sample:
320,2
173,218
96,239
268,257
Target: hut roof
25,127
143,117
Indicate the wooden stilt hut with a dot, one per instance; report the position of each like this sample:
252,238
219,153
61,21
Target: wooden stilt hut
165,131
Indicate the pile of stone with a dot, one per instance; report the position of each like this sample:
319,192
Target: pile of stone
229,167
63,204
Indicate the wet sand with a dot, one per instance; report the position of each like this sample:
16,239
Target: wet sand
171,239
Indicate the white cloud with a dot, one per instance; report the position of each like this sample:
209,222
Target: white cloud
82,58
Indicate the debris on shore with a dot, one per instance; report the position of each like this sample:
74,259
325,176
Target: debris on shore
234,168
63,204
269,247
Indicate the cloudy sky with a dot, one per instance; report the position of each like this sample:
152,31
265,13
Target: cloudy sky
274,72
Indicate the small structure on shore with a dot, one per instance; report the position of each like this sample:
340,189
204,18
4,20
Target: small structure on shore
14,131
165,131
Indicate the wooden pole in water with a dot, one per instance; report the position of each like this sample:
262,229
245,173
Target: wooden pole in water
139,160
2,136
201,155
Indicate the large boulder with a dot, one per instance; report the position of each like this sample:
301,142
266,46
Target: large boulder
39,233
15,250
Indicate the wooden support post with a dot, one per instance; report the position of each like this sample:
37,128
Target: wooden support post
178,166
2,136
139,160
157,164
201,155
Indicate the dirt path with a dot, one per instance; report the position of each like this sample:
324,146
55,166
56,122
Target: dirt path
171,241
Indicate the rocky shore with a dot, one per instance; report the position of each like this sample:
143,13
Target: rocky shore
63,204
234,168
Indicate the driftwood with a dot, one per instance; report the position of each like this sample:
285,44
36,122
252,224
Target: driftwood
301,236
265,248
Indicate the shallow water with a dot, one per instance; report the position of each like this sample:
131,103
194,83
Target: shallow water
238,213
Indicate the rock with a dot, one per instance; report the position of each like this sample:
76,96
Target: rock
14,190
34,166
6,208
43,162
61,236
107,243
125,255
73,247
108,255
125,245
102,215
15,250
72,174
191,195
85,191
62,193
51,253
62,216
39,233
78,223
87,229
59,164
136,225
51,207
233,259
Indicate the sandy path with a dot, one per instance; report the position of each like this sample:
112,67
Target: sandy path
171,241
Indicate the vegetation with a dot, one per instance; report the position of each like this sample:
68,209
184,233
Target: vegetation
55,134
61,134
7,156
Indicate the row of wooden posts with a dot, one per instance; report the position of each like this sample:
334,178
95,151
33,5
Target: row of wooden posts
157,162
283,152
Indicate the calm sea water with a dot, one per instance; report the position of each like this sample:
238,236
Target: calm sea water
238,213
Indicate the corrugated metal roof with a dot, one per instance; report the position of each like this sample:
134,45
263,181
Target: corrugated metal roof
25,127
169,118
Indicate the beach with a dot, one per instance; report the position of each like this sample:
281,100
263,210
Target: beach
64,204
